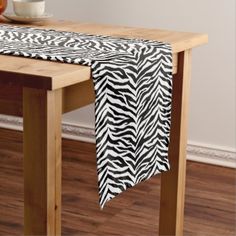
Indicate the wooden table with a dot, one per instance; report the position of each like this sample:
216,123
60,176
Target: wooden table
41,91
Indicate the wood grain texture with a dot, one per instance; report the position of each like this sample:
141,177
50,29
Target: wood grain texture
51,76
210,197
173,181
54,75
78,95
11,99
11,95
42,161
73,97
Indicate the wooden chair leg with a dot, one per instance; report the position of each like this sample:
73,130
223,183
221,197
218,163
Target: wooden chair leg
173,182
42,111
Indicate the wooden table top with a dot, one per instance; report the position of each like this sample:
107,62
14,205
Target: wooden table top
53,75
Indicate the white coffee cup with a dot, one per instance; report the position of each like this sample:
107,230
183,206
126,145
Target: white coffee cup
29,8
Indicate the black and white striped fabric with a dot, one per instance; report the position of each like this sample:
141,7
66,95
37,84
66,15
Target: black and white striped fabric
133,85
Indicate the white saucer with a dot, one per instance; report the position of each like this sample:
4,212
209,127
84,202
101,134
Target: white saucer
23,19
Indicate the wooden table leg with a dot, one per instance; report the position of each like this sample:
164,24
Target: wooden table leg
42,111
173,182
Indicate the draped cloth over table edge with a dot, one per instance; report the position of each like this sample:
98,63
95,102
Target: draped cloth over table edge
133,86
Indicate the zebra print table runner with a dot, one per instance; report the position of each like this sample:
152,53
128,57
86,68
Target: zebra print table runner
133,84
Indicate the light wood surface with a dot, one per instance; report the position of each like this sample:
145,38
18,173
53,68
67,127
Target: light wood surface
36,73
53,75
42,161
73,97
173,181
11,93
72,88
84,90
210,208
